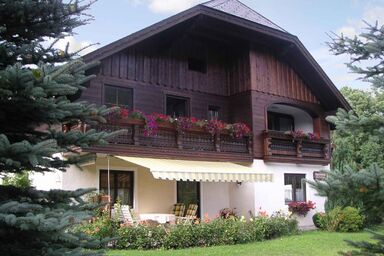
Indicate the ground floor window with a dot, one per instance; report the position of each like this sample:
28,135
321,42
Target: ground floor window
121,186
294,187
188,192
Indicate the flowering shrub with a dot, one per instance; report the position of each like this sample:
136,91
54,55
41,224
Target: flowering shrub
262,213
102,227
228,213
301,208
239,130
348,219
218,231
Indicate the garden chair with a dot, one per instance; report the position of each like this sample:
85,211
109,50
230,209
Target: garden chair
126,215
178,210
189,216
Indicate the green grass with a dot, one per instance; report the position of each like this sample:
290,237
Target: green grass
308,243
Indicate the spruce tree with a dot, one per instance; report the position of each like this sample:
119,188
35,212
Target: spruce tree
38,85
366,52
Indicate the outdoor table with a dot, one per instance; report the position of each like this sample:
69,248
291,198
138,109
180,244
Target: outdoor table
159,217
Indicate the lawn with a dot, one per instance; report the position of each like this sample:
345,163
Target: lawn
308,243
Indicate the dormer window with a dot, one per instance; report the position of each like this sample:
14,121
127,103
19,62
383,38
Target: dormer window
198,65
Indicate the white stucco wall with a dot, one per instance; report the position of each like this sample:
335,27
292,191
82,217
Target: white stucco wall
270,196
303,121
242,197
47,181
214,196
75,178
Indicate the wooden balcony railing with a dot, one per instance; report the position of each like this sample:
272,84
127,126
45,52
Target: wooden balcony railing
168,138
281,147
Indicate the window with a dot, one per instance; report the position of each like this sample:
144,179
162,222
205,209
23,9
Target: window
198,65
213,113
118,96
294,187
176,106
280,122
121,185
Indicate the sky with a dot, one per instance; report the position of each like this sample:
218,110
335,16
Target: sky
311,20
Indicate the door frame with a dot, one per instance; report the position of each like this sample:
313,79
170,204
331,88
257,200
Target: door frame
198,184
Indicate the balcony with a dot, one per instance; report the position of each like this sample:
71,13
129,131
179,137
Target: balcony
168,142
282,147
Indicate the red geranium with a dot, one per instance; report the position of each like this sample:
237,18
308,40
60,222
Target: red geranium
161,117
301,208
124,112
239,130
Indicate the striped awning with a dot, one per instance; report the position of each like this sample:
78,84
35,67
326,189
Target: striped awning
167,169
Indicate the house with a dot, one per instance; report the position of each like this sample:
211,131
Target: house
218,60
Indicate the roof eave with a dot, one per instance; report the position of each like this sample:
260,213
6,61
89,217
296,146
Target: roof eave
165,24
141,35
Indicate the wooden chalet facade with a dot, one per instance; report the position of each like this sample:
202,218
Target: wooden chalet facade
213,59
216,60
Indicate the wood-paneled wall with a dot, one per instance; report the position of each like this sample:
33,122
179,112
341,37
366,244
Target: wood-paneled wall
151,99
239,73
169,67
270,74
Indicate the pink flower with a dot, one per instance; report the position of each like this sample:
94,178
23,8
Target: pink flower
214,127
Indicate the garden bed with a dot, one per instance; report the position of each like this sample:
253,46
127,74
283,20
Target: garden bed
320,243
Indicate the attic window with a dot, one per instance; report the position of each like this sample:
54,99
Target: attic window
198,65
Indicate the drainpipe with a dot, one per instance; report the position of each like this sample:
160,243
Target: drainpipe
109,182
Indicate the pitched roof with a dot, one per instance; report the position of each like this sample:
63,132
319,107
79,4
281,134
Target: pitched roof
237,8
235,13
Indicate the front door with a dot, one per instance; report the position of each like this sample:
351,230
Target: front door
188,192
121,186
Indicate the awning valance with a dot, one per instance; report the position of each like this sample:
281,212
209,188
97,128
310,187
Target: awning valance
168,169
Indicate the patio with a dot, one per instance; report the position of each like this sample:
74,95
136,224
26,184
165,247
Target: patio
151,187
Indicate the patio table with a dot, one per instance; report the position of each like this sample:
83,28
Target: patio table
159,217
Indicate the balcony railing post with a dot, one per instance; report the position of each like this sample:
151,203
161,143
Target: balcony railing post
326,151
135,134
299,145
267,145
179,139
250,144
217,142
